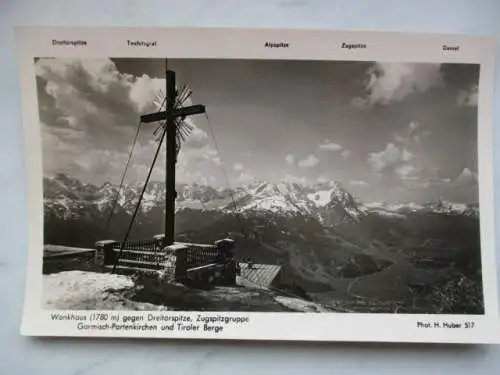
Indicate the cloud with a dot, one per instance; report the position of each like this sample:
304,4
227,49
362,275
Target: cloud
404,163
295,180
290,159
322,178
308,162
189,176
412,135
393,82
391,157
199,154
407,172
468,98
359,183
93,94
329,146
345,154
197,137
245,178
144,90
237,167
89,113
101,165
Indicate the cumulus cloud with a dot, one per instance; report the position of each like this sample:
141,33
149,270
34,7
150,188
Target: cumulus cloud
412,135
330,146
144,90
245,178
407,172
468,98
186,175
93,94
345,154
237,167
392,156
393,82
296,180
322,178
290,159
359,183
197,137
199,154
403,162
89,113
309,161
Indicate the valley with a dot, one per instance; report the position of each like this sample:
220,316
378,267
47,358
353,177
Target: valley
334,249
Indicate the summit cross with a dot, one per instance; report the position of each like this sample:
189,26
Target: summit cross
170,115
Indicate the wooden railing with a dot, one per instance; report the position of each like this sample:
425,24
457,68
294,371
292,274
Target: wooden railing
186,261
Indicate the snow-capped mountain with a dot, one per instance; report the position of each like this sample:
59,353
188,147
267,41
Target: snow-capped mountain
322,235
328,202
466,177
283,197
464,186
64,195
439,207
336,203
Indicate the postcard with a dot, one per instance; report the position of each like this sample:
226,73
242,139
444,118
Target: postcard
253,184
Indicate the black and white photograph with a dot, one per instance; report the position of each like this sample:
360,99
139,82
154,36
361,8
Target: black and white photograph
236,184
260,185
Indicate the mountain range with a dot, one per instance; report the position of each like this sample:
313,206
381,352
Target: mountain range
331,245
67,197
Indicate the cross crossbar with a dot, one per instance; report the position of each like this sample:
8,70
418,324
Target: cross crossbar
180,112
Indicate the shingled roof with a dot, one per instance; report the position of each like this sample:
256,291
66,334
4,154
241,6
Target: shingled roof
260,274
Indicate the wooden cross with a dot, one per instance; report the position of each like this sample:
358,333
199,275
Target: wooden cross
170,115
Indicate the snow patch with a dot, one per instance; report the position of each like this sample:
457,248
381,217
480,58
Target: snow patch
320,198
299,304
388,213
80,290
273,204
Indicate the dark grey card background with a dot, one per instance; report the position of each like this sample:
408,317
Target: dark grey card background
21,355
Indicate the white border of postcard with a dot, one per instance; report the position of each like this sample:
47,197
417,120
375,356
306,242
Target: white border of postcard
240,43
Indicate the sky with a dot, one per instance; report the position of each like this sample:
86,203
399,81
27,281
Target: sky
385,131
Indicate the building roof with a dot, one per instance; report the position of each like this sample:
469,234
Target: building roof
55,251
260,274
